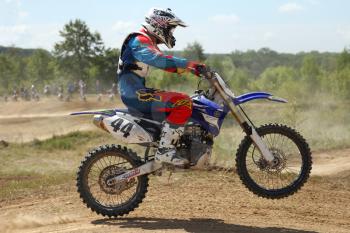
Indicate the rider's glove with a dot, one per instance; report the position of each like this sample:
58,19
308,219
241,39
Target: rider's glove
195,67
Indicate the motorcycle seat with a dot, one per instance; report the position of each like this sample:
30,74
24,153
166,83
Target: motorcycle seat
137,114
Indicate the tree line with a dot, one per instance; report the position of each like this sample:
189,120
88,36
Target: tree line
82,55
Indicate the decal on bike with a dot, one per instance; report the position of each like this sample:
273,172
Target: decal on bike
184,103
125,129
132,173
148,95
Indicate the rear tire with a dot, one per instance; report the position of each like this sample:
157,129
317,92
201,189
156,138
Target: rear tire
97,156
252,179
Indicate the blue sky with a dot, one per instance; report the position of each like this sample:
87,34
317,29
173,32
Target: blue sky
220,26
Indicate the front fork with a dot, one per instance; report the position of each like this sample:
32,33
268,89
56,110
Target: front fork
248,129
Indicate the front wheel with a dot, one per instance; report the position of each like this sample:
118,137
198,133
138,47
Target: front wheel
282,178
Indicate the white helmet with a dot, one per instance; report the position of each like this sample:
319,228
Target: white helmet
161,24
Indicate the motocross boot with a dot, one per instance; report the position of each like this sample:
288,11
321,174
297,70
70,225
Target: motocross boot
166,152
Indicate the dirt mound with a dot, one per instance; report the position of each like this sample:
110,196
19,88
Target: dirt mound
331,162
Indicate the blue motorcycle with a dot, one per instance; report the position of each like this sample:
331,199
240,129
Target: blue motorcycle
273,161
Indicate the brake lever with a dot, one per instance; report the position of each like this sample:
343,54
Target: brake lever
206,72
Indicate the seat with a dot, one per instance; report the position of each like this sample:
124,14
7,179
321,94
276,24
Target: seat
137,114
154,128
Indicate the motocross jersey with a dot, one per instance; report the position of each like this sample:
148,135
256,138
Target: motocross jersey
139,52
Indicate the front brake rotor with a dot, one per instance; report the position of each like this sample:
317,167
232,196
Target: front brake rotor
276,166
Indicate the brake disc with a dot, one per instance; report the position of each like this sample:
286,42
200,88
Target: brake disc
279,162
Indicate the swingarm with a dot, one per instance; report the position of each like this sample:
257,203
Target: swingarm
146,168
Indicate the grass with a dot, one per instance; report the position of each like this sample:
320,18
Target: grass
66,142
17,186
39,164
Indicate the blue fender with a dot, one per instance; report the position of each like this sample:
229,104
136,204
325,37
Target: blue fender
257,95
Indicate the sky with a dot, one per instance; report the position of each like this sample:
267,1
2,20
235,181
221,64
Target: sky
221,26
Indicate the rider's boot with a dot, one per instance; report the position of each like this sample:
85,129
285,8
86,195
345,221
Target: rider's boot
166,152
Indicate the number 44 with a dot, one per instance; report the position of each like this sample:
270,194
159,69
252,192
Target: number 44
125,129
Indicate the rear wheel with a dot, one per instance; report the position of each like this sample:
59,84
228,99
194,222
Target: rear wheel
291,167
102,197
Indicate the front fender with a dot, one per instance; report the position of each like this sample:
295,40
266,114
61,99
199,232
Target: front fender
257,95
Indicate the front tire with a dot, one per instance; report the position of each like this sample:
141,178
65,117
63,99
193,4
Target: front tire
110,200
282,179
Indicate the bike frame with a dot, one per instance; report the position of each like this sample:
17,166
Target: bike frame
230,105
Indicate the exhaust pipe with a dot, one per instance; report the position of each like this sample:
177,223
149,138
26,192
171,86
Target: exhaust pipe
98,121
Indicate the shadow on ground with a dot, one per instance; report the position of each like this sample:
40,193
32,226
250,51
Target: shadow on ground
195,225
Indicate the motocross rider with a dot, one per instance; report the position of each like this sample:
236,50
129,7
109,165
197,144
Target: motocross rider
139,51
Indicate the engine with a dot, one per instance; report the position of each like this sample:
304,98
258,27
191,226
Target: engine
196,146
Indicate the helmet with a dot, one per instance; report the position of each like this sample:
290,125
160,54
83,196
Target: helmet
161,24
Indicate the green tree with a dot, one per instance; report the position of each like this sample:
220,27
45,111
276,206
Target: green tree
6,73
194,52
280,80
105,66
310,71
40,66
77,52
343,59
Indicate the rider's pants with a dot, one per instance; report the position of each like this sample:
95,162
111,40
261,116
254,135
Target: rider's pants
175,108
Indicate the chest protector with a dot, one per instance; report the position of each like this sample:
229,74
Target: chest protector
139,68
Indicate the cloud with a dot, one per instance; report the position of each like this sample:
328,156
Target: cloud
344,32
124,26
17,2
15,29
267,36
11,35
30,35
290,7
313,2
225,18
22,14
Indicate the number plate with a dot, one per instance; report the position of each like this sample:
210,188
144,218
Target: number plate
126,129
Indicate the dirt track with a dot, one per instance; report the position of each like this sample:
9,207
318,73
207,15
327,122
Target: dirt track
191,202
25,121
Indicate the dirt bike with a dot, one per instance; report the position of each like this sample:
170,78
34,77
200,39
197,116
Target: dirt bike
273,161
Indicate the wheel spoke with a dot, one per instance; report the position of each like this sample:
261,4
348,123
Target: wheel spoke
100,171
287,169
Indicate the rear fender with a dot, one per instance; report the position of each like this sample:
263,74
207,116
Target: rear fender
257,95
120,124
104,112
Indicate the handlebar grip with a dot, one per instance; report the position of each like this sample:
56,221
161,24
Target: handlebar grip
202,69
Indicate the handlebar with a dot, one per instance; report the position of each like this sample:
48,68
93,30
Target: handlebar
206,72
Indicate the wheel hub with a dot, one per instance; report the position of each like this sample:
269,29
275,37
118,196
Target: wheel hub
114,187
277,164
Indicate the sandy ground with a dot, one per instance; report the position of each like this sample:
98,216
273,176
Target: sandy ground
190,202
25,121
